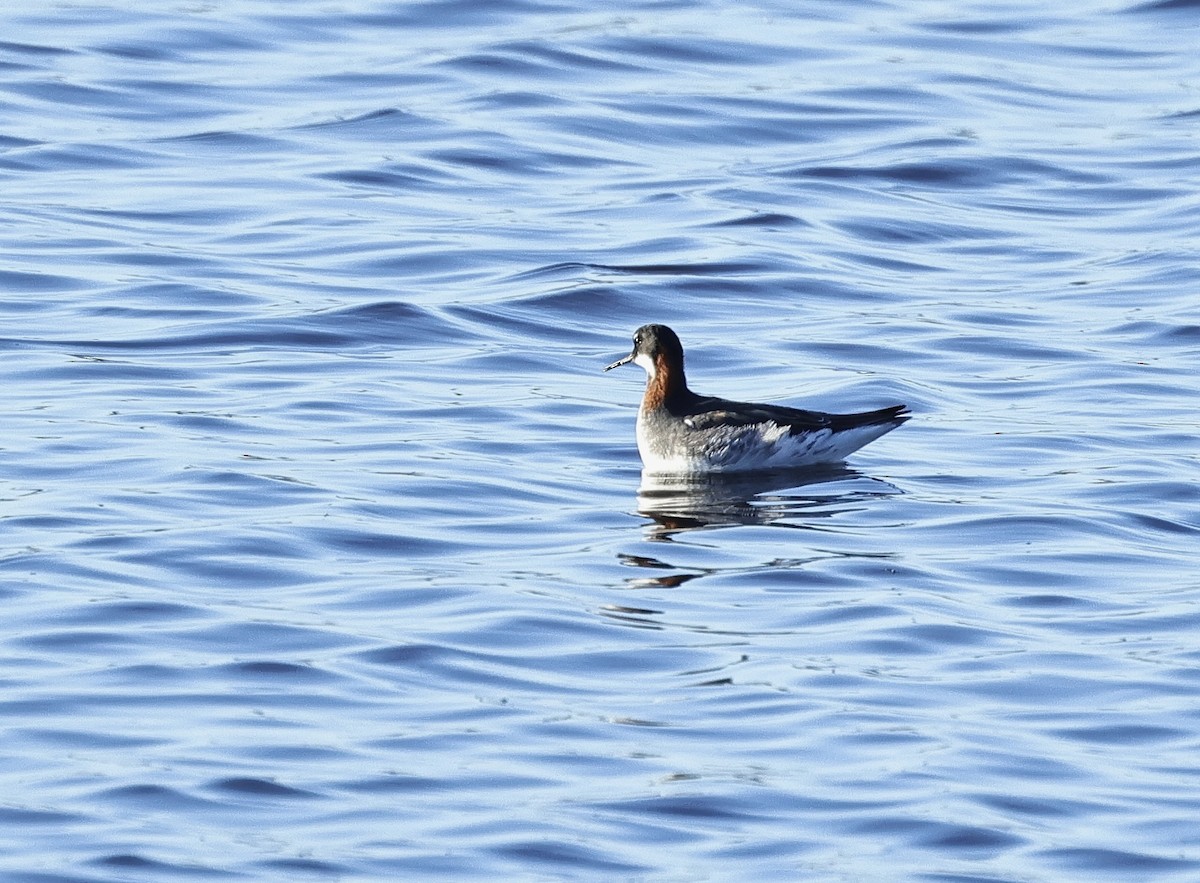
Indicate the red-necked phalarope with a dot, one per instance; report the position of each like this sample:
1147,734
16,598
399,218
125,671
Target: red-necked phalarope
680,431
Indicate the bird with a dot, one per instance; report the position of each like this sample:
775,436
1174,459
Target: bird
680,431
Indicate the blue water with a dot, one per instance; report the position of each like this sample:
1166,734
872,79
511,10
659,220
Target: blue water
326,553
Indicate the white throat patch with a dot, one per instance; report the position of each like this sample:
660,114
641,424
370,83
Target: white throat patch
646,362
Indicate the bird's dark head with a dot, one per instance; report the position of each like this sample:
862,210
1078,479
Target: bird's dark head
654,346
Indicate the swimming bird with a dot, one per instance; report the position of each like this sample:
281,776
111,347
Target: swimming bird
679,431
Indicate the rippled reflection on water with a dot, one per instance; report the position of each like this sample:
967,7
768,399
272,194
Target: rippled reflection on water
799,498
327,554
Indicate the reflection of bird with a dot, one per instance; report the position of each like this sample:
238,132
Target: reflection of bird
796,498
681,431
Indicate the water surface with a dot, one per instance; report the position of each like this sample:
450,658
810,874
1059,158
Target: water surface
326,549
